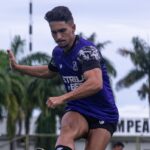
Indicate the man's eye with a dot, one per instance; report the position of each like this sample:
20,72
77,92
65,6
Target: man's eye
54,32
59,31
62,30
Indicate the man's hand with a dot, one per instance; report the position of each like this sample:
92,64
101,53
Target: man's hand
12,60
53,102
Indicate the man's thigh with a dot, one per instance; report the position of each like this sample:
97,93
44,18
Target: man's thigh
98,139
73,125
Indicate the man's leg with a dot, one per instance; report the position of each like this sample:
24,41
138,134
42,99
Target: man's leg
73,126
98,139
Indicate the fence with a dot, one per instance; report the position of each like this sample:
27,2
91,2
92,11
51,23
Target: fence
25,142
29,142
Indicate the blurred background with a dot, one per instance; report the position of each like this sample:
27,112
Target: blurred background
119,29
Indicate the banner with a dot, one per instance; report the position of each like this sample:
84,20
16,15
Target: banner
133,127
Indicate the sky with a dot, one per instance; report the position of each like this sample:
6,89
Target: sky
118,21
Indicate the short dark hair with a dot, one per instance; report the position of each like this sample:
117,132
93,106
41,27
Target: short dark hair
118,144
59,13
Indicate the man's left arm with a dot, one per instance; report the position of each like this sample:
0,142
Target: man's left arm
93,83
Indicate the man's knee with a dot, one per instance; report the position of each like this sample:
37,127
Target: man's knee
69,131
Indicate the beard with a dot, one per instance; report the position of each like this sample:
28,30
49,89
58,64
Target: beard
62,45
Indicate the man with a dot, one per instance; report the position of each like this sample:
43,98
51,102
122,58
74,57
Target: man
118,146
91,112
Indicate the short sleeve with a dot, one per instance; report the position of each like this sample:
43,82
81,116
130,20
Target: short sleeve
89,58
52,65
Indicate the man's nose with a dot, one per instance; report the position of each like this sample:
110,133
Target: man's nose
58,36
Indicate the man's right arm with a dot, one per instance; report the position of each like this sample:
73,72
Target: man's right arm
36,71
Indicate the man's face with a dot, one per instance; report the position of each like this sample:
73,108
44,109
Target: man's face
63,33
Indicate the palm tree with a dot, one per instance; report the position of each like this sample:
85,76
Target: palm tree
11,92
30,104
3,93
37,91
11,81
140,57
7,92
3,64
27,105
46,120
26,99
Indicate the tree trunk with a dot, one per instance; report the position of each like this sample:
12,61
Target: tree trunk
149,99
149,93
27,124
12,145
20,127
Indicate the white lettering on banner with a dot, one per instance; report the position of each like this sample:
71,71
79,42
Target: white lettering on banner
133,127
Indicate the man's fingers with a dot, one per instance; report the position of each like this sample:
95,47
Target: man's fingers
9,52
10,59
50,103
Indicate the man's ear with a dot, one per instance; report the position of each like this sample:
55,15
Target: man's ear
74,27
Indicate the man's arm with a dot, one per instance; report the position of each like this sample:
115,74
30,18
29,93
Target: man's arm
91,86
93,83
36,71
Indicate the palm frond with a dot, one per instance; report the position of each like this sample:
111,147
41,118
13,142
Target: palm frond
132,77
5,82
139,53
110,68
4,63
18,90
17,45
36,58
143,91
101,45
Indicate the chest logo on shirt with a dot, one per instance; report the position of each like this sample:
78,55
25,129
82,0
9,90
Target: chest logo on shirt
60,66
101,122
74,66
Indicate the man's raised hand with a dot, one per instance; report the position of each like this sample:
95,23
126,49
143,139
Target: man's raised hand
12,60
